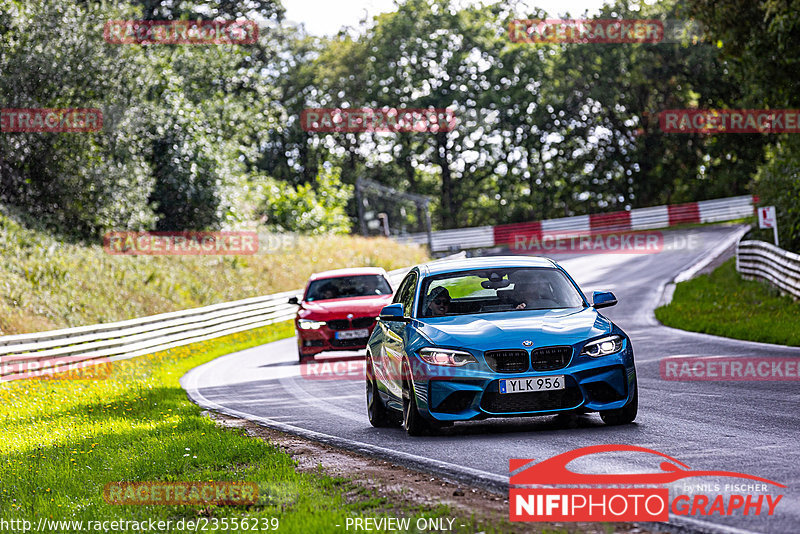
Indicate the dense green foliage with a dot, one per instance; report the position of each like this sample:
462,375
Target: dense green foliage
207,136
316,208
543,130
724,304
778,184
760,44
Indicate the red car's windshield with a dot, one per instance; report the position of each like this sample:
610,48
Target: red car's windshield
348,286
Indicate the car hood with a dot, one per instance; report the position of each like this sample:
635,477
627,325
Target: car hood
335,308
509,329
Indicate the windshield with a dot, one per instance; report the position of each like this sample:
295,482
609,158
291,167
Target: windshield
368,285
497,290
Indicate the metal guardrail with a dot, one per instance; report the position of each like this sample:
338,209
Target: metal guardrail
781,268
145,335
705,211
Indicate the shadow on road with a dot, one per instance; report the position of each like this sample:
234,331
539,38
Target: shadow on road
583,425
324,358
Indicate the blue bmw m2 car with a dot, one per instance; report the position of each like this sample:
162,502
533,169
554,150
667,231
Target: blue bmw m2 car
496,337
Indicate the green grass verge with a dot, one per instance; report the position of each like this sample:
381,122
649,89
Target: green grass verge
63,441
725,304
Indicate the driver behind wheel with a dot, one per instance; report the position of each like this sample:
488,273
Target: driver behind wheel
438,302
533,294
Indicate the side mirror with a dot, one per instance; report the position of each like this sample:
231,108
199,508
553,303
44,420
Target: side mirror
603,299
293,300
393,312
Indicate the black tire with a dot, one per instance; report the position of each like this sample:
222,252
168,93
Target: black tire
303,358
626,414
413,422
377,411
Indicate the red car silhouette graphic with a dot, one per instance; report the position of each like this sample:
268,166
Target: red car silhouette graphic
554,471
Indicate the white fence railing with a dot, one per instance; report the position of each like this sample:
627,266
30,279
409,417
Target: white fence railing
145,335
705,211
781,268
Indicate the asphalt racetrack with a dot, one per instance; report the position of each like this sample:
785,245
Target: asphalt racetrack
744,426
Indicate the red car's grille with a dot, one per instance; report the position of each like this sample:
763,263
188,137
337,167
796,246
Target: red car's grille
339,324
345,324
363,322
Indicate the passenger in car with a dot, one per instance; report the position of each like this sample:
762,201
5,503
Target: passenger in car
327,292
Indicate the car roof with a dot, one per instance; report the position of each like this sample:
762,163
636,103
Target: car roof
484,262
352,271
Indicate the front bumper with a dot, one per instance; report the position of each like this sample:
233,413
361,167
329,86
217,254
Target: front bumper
461,394
310,342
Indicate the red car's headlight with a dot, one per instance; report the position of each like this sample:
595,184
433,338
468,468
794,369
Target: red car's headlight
308,324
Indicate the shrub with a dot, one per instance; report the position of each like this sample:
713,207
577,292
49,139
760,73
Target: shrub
778,184
316,208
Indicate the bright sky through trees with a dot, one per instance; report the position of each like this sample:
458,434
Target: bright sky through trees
325,17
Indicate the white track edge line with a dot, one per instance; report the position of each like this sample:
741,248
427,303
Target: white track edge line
189,383
190,379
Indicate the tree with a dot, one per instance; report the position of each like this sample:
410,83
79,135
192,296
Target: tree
760,42
760,39
181,125
76,183
316,208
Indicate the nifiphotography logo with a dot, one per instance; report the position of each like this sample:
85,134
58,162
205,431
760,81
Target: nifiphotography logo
549,491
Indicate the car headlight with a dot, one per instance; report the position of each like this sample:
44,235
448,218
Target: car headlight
449,357
603,346
308,324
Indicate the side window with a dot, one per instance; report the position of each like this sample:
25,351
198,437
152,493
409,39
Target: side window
405,294
401,289
408,296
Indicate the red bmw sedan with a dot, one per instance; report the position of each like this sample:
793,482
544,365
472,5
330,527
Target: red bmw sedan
339,308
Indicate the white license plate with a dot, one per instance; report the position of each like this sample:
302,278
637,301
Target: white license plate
352,334
538,383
